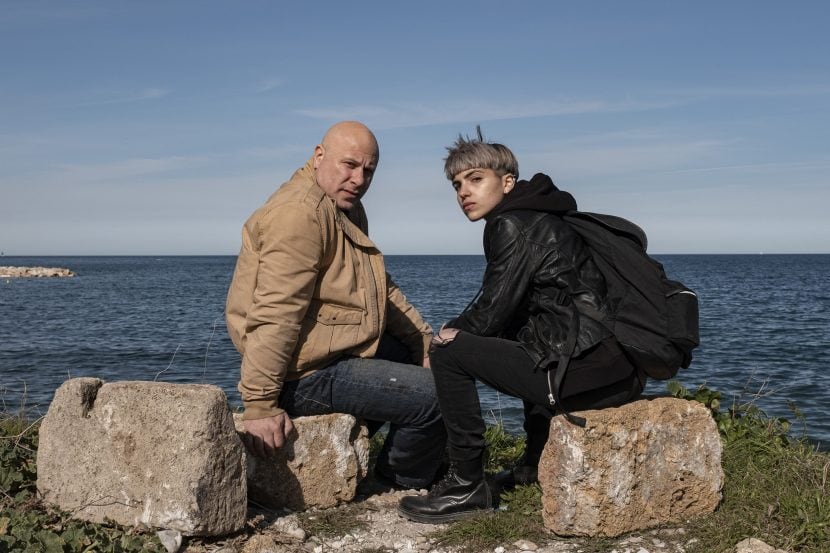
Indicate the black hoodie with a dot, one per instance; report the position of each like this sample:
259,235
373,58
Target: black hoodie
538,194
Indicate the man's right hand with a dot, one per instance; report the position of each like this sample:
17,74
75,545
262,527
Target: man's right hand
264,436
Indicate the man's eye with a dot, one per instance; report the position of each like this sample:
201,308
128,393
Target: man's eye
456,186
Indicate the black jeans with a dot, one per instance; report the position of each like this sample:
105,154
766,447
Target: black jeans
504,366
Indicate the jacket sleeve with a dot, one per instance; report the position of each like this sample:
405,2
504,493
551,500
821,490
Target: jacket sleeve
506,280
290,244
405,323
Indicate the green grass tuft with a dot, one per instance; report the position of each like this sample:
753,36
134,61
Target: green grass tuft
776,486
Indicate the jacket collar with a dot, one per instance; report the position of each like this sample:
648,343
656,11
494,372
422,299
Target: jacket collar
354,223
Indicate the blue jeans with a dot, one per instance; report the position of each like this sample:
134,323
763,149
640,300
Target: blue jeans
387,388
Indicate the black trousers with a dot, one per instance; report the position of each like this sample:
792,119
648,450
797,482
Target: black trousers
601,377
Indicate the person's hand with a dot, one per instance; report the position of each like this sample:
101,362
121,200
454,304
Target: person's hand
444,336
263,437
425,363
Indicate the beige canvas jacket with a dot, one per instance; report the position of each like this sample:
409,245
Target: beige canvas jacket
310,287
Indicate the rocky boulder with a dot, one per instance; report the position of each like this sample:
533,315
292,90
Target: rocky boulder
320,466
38,272
645,464
144,453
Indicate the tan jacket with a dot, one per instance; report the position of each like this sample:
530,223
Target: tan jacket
310,287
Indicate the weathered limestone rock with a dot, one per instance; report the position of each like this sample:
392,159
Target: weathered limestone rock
320,466
21,272
152,453
641,465
752,545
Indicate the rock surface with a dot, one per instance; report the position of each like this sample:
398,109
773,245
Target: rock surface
20,272
144,453
752,545
320,466
646,464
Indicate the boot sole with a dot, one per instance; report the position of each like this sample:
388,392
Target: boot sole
441,519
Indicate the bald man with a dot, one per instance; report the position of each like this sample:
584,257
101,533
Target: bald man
321,326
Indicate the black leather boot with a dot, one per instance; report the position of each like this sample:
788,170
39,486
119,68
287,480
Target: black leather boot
520,475
463,492
526,470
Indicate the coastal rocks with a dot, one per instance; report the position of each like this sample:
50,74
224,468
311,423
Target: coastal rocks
752,545
144,453
320,466
22,272
648,463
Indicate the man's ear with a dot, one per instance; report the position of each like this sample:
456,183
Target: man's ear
319,152
508,181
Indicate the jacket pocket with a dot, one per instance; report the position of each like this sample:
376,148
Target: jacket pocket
328,330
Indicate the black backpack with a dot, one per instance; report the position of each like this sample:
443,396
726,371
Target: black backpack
654,319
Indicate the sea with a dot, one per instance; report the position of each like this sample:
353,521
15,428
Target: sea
764,327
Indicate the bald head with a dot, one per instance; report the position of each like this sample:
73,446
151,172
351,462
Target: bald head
353,132
345,162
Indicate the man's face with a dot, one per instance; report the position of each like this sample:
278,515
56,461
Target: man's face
344,166
479,190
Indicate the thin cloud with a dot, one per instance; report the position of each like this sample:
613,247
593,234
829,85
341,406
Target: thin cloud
141,96
126,169
763,167
622,159
416,115
755,91
269,84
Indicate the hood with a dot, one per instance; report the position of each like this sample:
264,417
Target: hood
538,194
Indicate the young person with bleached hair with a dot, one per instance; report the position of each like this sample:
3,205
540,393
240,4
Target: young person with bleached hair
539,283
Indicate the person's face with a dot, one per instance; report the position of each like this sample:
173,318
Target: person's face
478,191
345,166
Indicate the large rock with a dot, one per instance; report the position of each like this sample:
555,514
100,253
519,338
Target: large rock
320,465
151,453
645,464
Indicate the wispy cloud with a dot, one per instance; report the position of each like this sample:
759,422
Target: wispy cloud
623,158
140,96
796,90
416,115
269,84
125,169
759,167
413,114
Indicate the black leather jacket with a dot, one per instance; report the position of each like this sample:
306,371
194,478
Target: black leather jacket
537,271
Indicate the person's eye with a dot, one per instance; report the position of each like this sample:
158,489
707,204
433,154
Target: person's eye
456,186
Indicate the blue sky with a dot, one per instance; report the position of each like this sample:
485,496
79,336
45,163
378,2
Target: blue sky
158,127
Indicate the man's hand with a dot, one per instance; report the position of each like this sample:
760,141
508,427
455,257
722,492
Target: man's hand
425,363
263,437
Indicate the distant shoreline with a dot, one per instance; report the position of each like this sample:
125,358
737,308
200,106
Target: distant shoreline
35,272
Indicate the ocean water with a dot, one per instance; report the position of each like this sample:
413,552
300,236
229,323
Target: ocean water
765,326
